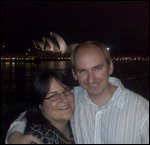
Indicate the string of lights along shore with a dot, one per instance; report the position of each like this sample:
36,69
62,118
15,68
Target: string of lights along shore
55,47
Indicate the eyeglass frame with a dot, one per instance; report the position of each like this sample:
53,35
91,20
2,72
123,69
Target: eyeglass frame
57,96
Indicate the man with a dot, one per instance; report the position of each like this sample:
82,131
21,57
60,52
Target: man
105,111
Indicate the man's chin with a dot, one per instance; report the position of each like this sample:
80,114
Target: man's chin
94,93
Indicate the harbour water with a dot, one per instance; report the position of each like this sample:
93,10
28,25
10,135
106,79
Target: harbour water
16,79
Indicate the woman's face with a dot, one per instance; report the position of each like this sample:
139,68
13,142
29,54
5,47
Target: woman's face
61,109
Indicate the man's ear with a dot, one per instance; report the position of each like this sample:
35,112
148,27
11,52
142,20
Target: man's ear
111,68
40,107
74,74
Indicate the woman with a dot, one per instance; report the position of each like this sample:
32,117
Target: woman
52,108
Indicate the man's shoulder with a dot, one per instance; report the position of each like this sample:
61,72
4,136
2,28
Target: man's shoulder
78,91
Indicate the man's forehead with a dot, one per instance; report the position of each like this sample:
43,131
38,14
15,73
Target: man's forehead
90,66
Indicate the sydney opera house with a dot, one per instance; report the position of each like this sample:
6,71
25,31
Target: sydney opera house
53,47
54,44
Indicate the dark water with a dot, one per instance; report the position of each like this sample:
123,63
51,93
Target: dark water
16,79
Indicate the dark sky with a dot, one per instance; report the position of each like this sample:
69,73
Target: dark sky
122,25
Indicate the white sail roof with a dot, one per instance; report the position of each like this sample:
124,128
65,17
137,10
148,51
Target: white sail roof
61,42
54,43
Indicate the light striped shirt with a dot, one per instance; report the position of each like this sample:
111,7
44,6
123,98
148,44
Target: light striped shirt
122,120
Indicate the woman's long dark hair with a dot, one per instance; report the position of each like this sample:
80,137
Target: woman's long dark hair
40,88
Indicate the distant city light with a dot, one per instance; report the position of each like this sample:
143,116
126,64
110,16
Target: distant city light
31,58
3,45
108,48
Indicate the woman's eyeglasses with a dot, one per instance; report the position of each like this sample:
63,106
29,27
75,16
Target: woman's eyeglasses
57,96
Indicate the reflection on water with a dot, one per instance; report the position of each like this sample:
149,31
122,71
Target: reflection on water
16,77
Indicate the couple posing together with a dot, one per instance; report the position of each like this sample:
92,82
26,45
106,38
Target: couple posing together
99,111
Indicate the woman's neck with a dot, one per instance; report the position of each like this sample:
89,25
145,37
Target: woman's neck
63,128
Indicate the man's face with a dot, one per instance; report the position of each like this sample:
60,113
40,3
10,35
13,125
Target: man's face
92,71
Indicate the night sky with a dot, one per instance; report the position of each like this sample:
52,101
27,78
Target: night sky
121,25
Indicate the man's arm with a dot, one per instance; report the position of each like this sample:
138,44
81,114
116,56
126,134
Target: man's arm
17,126
16,130
18,138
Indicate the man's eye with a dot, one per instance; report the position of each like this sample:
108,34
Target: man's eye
98,67
81,71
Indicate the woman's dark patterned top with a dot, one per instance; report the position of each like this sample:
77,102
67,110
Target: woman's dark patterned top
49,134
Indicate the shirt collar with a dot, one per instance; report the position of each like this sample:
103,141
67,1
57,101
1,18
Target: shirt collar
117,99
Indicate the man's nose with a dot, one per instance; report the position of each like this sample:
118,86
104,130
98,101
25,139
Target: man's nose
91,76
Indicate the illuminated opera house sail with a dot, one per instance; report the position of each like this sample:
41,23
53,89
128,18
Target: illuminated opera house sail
52,44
